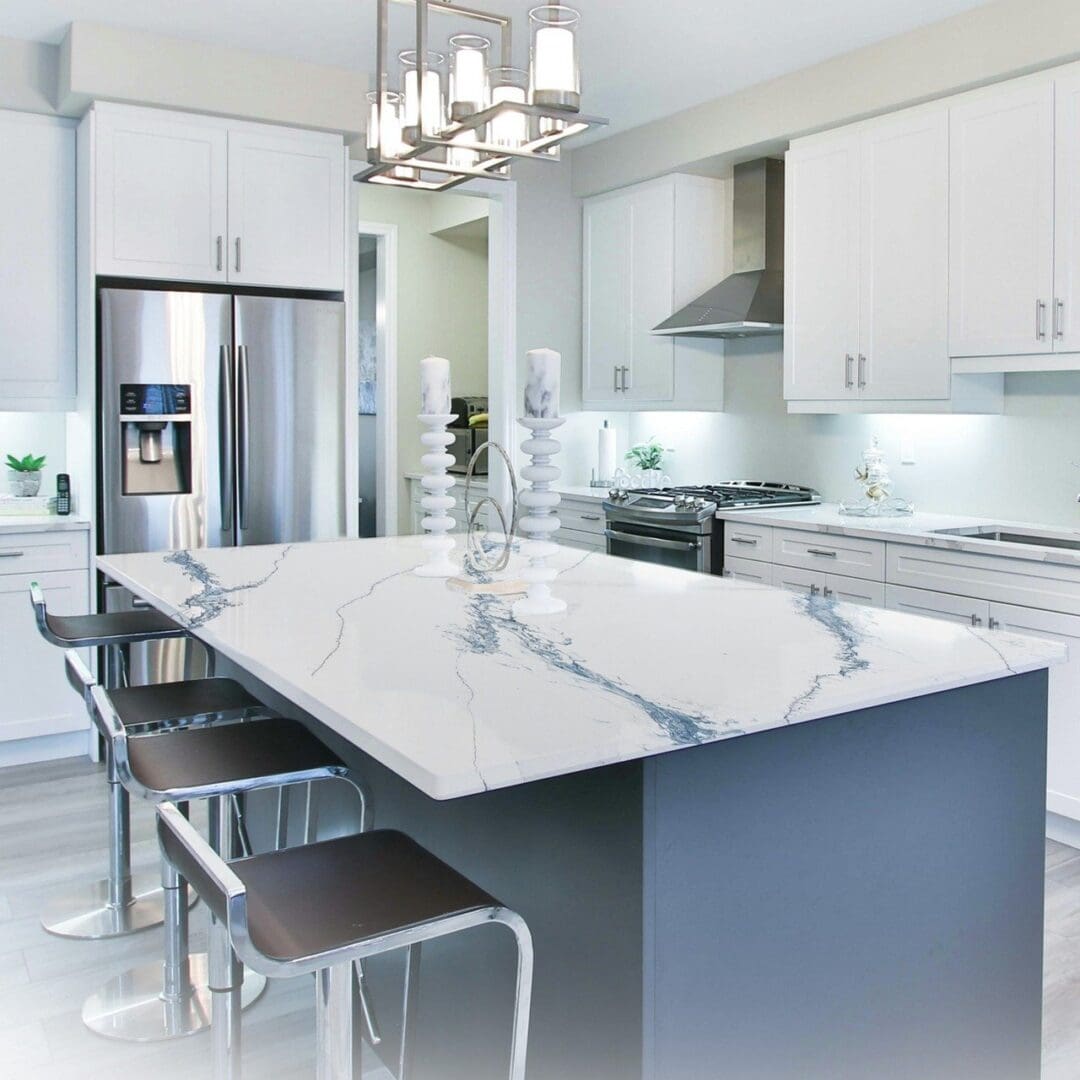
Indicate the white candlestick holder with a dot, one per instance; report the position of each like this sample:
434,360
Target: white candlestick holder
539,522
437,500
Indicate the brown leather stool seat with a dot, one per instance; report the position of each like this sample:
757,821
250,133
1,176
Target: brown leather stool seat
178,764
162,704
308,900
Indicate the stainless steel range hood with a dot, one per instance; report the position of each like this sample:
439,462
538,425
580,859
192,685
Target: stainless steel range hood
749,302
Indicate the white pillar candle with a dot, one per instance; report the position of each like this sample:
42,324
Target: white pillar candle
553,60
509,128
434,386
428,105
469,77
542,383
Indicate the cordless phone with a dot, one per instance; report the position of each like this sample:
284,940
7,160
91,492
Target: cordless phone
63,494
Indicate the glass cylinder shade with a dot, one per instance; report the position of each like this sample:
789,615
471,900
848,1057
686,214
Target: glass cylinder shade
424,109
384,131
509,128
554,77
468,75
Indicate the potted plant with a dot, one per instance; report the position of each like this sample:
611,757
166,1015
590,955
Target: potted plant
648,457
24,474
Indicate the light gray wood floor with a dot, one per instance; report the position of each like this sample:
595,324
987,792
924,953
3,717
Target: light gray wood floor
52,832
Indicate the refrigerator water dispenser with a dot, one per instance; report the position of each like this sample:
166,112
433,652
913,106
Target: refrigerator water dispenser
155,439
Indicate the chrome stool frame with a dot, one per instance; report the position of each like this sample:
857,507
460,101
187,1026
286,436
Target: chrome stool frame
118,904
159,1002
232,949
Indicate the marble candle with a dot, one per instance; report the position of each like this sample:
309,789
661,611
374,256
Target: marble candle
434,386
542,383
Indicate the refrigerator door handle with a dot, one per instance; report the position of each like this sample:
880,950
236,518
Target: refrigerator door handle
226,412
243,441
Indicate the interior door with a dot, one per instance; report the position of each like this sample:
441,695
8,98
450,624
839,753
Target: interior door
1063,736
290,424
904,258
1001,222
821,266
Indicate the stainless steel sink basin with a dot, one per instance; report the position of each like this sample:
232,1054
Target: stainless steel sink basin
1012,536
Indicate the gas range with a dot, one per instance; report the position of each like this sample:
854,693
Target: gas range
677,526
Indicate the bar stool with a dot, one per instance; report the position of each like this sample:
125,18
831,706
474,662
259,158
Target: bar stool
216,762
121,904
320,907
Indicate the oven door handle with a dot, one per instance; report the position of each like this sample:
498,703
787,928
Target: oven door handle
653,541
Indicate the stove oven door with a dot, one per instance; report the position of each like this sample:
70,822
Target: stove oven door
687,549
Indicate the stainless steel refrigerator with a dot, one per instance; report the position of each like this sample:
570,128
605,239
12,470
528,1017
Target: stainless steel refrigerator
222,422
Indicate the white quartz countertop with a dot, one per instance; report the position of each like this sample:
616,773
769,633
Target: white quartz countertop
919,528
451,692
29,523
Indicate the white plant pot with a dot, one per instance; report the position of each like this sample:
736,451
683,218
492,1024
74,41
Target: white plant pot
24,484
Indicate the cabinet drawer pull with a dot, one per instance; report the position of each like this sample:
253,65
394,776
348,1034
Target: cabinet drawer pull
813,590
828,592
744,540
862,372
11,553
822,552
975,620
616,370
1059,319
590,517
1040,320
238,254
849,378
994,624
220,255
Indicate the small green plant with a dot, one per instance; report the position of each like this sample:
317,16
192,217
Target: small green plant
26,464
648,455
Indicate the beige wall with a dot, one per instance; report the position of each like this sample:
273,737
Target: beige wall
28,74
979,46
442,307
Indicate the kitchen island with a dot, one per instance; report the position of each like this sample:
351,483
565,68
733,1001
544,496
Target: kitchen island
754,834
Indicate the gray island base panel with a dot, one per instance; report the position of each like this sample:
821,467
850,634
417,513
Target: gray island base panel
768,838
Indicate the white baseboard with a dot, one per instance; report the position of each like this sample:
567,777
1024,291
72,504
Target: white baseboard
1064,830
44,748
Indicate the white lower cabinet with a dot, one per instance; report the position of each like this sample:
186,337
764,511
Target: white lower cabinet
959,609
847,590
761,573
37,699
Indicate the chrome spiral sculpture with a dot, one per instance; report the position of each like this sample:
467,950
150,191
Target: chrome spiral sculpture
477,557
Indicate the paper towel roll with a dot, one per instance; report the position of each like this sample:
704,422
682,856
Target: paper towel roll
605,453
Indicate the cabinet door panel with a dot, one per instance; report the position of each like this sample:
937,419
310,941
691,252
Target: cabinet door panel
806,582
1001,177
854,591
821,258
904,258
1067,215
37,237
161,197
286,210
1063,740
37,699
959,609
606,298
652,293
761,573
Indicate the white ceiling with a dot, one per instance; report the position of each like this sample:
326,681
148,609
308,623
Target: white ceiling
641,59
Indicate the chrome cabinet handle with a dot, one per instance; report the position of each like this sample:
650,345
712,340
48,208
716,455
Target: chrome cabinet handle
653,541
813,590
220,252
849,378
862,371
238,254
1040,320
994,624
11,554
625,372
743,540
243,433
822,552
828,592
591,517
1059,319
616,370
975,620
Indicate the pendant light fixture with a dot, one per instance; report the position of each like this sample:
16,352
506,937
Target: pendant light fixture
447,122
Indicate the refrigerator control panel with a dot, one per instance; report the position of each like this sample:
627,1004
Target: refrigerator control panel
154,399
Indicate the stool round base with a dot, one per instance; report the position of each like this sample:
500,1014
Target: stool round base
130,1007
85,913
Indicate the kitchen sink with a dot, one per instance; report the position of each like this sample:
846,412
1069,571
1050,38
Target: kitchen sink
1012,536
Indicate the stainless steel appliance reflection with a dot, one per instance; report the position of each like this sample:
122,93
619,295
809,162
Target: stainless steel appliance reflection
221,422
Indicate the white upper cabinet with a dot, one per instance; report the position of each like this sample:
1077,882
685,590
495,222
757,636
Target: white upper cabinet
866,262
1001,287
286,194
1065,322
161,196
904,258
185,198
37,237
821,268
647,250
